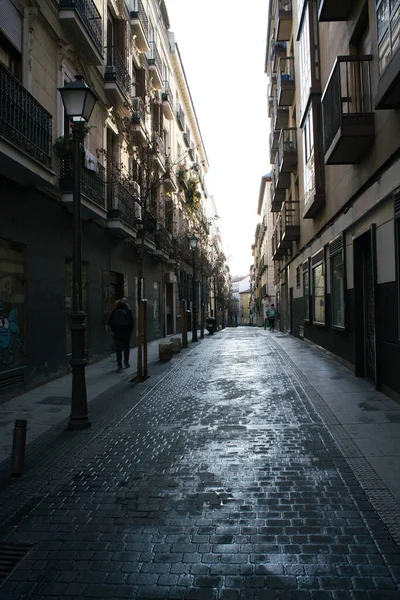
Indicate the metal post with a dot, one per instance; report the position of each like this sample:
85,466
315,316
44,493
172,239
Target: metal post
194,321
79,408
145,337
184,324
140,341
18,448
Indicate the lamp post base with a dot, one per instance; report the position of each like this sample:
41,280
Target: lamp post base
79,418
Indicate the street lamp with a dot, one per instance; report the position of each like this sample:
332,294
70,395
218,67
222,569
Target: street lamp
78,100
193,245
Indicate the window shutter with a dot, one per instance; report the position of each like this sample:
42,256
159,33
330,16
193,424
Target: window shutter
397,204
120,37
141,83
317,258
336,246
11,23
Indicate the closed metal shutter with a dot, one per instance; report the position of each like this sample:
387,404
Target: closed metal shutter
11,23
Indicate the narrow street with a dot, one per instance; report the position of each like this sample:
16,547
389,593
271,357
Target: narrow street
232,473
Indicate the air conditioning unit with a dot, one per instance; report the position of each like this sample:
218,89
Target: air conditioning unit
136,188
138,211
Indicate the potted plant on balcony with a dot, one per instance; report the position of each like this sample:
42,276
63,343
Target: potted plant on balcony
63,145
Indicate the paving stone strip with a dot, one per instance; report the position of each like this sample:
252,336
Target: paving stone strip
222,482
376,490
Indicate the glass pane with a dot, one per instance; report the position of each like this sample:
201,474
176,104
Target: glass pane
337,291
382,16
383,52
319,294
12,305
395,29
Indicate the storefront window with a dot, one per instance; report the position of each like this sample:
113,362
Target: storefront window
318,293
306,292
12,305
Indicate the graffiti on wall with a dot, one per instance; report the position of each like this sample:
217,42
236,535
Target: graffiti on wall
10,341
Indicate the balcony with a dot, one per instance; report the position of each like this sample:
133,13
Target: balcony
25,132
192,150
138,120
291,221
280,118
348,117
278,196
287,151
169,178
273,145
159,147
281,245
124,210
93,189
286,81
279,51
155,66
180,117
283,20
83,22
186,137
117,82
167,101
140,26
281,178
334,10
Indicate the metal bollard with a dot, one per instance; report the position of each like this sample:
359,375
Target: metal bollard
18,448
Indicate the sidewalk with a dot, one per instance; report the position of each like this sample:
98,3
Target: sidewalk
50,403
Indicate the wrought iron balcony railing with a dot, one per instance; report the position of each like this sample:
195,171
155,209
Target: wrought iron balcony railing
288,149
23,121
90,17
154,58
167,94
286,81
180,115
93,184
139,12
116,71
126,200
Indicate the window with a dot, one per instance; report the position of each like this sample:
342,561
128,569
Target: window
298,278
306,292
12,305
318,287
388,24
337,281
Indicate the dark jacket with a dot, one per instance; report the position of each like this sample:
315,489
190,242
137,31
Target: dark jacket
121,321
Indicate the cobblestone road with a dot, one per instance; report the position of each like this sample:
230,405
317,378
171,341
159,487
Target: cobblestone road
222,481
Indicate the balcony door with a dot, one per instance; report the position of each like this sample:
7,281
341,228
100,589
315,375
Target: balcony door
111,161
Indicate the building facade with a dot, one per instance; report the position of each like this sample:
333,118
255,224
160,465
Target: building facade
142,183
333,72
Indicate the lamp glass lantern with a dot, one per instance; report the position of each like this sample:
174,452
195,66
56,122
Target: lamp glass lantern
78,99
193,241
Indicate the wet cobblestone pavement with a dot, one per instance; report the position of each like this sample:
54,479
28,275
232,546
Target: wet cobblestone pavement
222,481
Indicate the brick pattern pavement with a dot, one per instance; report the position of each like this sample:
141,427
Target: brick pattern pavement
220,482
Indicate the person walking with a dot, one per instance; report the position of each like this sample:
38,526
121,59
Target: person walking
121,324
265,318
271,317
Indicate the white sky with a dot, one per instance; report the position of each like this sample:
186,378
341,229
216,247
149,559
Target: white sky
222,45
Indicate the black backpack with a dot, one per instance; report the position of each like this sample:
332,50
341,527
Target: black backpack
120,319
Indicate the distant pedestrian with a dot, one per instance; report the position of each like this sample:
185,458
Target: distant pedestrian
265,318
271,317
121,324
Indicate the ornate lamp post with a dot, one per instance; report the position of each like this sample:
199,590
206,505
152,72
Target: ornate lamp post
79,101
193,245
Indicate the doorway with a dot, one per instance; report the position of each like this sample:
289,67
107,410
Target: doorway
365,301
